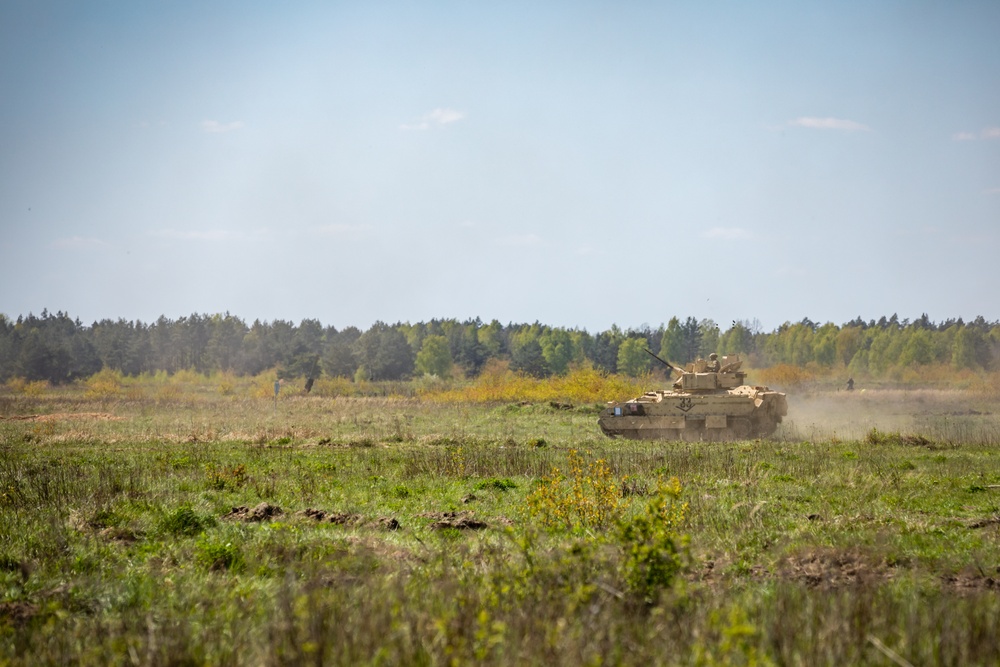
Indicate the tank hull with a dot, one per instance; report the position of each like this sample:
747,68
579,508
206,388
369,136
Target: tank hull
741,413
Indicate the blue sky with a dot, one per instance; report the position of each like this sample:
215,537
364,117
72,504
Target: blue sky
582,164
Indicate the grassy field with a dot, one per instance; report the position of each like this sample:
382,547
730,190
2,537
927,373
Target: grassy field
198,526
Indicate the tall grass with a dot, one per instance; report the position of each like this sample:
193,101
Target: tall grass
498,384
118,543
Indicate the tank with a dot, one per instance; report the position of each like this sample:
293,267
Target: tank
709,401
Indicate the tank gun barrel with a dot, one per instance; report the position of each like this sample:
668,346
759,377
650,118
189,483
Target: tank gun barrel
662,361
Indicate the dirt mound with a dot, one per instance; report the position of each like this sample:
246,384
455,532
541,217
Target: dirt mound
339,518
348,519
444,515
988,521
462,523
122,534
974,580
832,568
387,523
458,520
262,512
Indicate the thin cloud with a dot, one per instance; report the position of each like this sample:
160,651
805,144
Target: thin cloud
215,127
726,233
986,133
437,118
829,124
992,191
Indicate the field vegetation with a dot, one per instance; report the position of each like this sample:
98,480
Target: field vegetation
193,518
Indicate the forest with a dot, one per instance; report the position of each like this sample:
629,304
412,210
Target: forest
59,349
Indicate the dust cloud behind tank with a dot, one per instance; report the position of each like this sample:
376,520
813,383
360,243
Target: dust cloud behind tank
709,401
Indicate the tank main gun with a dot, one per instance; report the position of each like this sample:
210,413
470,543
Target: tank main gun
663,361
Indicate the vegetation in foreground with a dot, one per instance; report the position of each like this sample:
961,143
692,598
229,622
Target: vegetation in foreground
196,526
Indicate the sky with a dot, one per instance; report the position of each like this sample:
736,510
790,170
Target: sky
581,164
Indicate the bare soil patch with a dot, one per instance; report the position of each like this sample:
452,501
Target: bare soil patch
974,580
262,512
348,519
339,518
988,521
459,520
832,568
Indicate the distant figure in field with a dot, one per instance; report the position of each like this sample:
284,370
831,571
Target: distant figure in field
713,363
850,384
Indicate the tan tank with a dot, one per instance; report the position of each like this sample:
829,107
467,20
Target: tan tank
708,402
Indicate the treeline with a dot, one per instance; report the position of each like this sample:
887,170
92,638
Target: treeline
59,349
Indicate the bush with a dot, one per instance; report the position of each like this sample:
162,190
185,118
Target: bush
651,542
495,483
588,498
215,555
185,521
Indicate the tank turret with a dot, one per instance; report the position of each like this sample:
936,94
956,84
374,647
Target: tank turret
709,401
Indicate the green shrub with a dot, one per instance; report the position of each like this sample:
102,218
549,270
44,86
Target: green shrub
590,497
215,555
652,544
495,483
185,521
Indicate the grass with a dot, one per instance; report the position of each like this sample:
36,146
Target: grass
872,526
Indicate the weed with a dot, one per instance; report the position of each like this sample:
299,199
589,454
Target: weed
223,479
185,521
588,498
455,466
213,554
496,484
652,543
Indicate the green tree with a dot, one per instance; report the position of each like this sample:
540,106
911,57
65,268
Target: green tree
709,333
557,349
434,357
971,349
691,336
384,353
672,345
847,343
604,349
225,342
527,358
338,358
737,340
825,344
493,339
632,357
